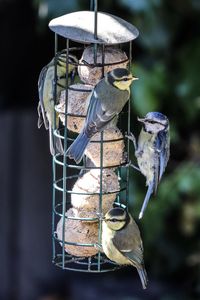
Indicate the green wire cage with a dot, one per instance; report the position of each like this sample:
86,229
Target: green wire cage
82,193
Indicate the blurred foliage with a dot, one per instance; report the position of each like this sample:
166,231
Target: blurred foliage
166,59
52,8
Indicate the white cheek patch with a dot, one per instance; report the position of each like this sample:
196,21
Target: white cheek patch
155,127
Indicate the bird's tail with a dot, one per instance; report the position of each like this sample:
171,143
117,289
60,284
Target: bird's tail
146,199
143,276
77,148
55,143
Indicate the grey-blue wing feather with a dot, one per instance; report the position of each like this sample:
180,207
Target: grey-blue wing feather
97,116
163,151
129,244
134,252
156,166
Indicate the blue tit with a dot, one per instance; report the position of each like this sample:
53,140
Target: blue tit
46,103
106,101
152,151
121,241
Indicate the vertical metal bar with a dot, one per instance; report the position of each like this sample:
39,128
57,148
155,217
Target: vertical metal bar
91,4
128,132
64,195
100,200
95,19
119,178
55,44
53,207
53,162
95,6
101,177
119,170
103,60
66,94
130,55
128,156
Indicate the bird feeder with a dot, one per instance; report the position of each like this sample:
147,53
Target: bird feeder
83,193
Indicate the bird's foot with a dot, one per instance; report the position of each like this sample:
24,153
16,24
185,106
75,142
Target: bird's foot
129,164
135,167
100,216
98,247
131,137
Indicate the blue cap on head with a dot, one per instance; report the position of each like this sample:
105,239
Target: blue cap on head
155,114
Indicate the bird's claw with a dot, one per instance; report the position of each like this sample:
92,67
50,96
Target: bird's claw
98,247
100,216
131,137
134,167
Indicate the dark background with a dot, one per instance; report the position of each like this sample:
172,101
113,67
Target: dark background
166,58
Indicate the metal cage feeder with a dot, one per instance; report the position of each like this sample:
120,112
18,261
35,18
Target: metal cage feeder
100,31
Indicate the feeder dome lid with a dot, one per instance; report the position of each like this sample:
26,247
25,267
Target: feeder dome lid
80,26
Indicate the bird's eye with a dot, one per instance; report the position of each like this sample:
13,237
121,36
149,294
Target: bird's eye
125,79
114,220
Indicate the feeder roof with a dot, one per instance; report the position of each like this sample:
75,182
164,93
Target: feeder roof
79,26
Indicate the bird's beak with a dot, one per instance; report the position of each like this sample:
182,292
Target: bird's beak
141,120
134,78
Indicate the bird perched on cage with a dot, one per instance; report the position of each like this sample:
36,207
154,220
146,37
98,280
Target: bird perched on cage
152,151
106,101
121,241
46,103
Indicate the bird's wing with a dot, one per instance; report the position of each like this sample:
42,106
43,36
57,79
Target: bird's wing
130,247
97,116
41,109
159,158
129,244
135,255
162,147
156,167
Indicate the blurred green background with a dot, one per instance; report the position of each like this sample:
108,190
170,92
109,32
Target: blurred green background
166,58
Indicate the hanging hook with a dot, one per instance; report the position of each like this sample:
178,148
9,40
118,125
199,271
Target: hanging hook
95,19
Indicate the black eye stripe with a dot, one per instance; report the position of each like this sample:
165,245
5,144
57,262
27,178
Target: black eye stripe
116,220
122,79
152,122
